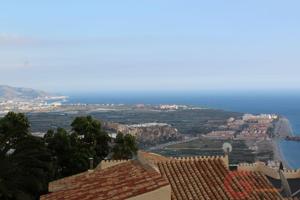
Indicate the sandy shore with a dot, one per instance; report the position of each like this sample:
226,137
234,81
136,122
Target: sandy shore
282,129
277,153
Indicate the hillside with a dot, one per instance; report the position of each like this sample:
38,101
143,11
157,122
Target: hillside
146,133
18,93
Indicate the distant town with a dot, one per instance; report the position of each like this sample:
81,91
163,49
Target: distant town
58,104
249,127
35,105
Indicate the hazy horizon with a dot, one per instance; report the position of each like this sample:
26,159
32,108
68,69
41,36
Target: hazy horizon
167,92
150,46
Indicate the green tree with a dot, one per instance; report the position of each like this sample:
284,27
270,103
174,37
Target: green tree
59,144
125,147
90,138
71,150
13,128
24,160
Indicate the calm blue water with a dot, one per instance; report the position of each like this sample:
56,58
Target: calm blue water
283,103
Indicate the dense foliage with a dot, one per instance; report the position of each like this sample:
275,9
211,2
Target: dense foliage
28,163
24,160
125,147
71,150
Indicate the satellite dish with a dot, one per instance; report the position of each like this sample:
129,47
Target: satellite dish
227,147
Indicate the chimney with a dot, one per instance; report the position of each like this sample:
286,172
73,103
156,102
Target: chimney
91,163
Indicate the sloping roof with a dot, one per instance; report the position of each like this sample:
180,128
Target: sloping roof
121,181
210,179
153,157
205,178
68,182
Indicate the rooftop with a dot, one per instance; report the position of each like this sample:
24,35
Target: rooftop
210,179
121,181
187,179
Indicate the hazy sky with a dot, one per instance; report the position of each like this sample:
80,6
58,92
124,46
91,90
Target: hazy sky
150,44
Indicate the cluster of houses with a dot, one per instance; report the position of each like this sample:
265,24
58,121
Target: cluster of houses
248,127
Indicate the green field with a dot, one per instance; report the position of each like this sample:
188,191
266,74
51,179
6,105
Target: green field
206,147
191,121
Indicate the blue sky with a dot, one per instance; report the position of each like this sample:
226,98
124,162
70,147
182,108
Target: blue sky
157,45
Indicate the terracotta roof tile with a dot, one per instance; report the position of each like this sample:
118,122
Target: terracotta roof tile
210,179
190,179
118,182
153,157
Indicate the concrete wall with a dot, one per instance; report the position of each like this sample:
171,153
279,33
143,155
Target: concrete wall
109,163
271,172
163,193
223,158
226,160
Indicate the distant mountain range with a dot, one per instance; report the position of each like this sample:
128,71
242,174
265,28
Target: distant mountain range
19,93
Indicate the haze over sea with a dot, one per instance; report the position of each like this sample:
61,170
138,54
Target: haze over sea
285,103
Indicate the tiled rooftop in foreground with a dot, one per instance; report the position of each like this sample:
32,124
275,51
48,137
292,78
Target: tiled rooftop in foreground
210,179
121,181
154,177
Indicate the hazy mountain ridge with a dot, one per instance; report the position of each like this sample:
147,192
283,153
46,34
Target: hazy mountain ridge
19,93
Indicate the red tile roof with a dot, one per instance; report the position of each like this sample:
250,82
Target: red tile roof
210,179
118,182
153,157
190,179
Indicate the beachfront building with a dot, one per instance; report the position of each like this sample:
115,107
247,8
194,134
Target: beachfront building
154,177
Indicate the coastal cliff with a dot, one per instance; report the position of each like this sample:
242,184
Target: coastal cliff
147,133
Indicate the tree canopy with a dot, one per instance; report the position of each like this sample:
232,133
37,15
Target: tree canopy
71,150
24,160
13,128
125,147
89,135
28,163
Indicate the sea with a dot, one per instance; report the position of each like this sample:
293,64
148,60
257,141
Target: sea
284,103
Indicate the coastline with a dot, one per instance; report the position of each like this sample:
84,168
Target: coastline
283,128
278,154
